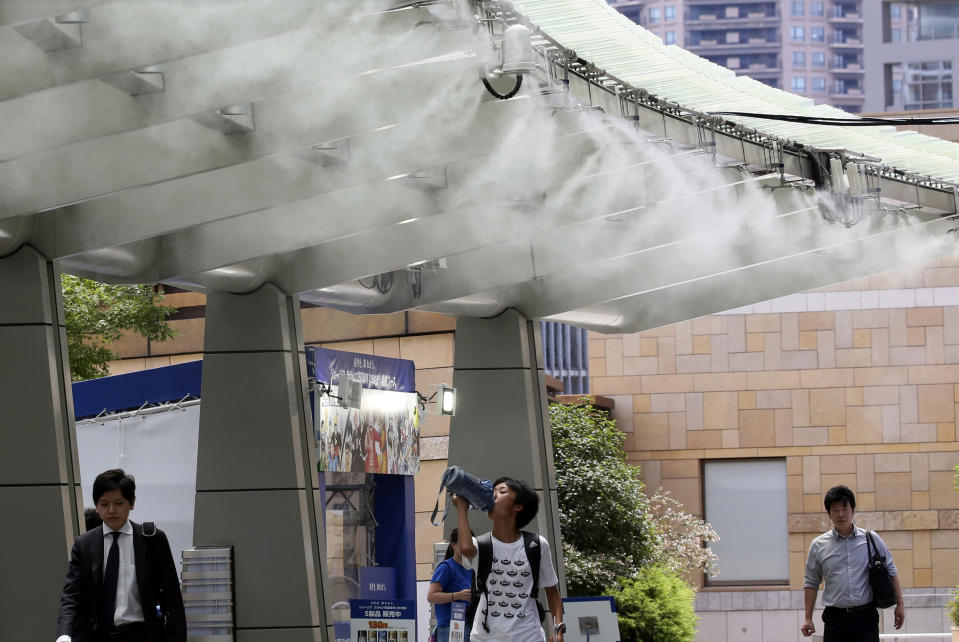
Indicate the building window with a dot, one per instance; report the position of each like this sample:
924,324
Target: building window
928,85
819,59
745,502
818,85
799,59
566,355
798,8
817,9
797,34
817,34
670,38
799,84
671,13
923,20
654,15
895,34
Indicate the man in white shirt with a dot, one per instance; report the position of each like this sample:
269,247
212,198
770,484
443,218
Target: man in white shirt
507,609
121,583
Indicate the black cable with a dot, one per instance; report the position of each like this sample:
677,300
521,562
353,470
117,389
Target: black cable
489,88
870,121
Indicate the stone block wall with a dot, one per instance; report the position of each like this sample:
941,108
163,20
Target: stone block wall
856,384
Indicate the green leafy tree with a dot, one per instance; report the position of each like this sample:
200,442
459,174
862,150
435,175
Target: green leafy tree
607,532
97,314
656,606
611,530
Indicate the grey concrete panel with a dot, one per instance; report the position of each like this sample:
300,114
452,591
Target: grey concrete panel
25,288
247,426
270,552
34,563
30,395
501,426
490,435
280,635
500,342
246,322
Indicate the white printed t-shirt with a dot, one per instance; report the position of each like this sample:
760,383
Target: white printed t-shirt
511,614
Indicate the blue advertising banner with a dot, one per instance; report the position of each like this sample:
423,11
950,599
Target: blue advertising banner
378,583
375,373
383,620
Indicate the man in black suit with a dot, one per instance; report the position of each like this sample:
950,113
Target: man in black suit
121,584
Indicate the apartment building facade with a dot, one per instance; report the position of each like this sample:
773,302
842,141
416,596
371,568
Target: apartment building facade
817,48
913,48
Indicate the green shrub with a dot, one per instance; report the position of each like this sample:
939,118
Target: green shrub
656,606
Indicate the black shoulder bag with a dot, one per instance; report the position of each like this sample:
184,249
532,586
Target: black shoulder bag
883,590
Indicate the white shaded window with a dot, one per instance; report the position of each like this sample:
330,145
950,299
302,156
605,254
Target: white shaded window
798,8
654,15
799,59
817,9
670,13
745,502
817,34
799,83
797,34
670,38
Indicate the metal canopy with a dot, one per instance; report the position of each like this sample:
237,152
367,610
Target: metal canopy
348,151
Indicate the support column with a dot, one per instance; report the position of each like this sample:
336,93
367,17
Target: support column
39,475
501,426
256,483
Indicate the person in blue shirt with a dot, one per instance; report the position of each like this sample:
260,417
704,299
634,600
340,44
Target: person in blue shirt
450,583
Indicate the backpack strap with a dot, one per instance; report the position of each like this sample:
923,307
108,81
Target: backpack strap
484,557
149,529
533,554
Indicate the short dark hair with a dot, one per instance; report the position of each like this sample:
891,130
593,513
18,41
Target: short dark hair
839,495
525,496
114,479
91,518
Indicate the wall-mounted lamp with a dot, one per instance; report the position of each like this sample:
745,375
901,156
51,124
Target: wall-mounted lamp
444,399
447,400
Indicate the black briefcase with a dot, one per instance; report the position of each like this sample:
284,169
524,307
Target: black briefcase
883,590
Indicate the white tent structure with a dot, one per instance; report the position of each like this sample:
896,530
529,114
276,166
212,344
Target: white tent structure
347,153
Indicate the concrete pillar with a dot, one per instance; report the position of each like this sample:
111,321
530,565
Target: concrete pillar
39,475
501,425
257,487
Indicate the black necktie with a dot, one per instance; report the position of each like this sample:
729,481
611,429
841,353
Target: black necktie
108,596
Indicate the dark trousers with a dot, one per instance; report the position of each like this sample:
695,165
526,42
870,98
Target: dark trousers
842,625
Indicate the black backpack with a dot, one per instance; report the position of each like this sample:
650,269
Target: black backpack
484,553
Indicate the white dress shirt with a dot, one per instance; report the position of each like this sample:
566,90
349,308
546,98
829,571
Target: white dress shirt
128,607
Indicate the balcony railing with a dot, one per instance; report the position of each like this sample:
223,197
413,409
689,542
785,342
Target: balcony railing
841,66
738,18
741,44
848,93
839,15
845,41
